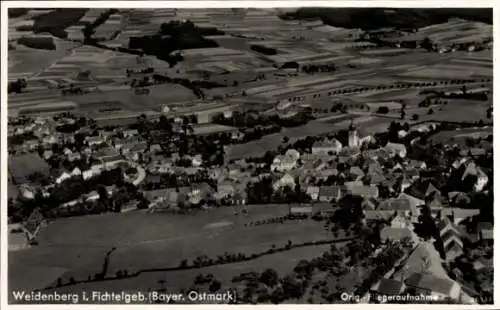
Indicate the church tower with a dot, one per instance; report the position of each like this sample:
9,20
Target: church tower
353,136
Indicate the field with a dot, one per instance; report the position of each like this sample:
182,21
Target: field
78,244
458,110
175,281
460,136
24,165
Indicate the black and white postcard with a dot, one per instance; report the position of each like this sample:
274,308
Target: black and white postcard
247,154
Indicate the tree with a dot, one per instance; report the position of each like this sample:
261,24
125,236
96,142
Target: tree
383,110
414,117
214,286
269,277
430,112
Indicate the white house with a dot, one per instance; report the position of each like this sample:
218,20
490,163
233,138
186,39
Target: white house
293,154
62,177
482,178
283,163
326,146
286,180
76,172
396,149
196,161
313,192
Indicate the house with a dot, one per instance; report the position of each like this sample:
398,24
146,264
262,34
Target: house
348,153
377,215
314,165
473,170
429,284
397,234
356,173
105,152
47,154
76,172
433,201
458,215
284,181
451,237
112,162
63,177
394,149
329,193
324,174
485,232
162,197
366,191
155,148
313,192
196,161
283,163
92,196
415,203
199,192
375,154
94,140
326,147
240,197
133,149
27,192
401,206
368,204
375,178
224,190
473,152
294,154
401,221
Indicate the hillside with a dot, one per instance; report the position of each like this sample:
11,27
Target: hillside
375,18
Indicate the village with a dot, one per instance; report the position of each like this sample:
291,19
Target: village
389,197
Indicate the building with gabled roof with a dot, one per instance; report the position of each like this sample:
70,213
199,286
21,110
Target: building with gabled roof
329,193
474,170
429,284
396,149
326,146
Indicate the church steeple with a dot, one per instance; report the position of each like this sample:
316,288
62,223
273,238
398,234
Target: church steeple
353,135
352,127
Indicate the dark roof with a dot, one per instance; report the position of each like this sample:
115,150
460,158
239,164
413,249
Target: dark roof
413,263
396,204
329,191
362,190
421,189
